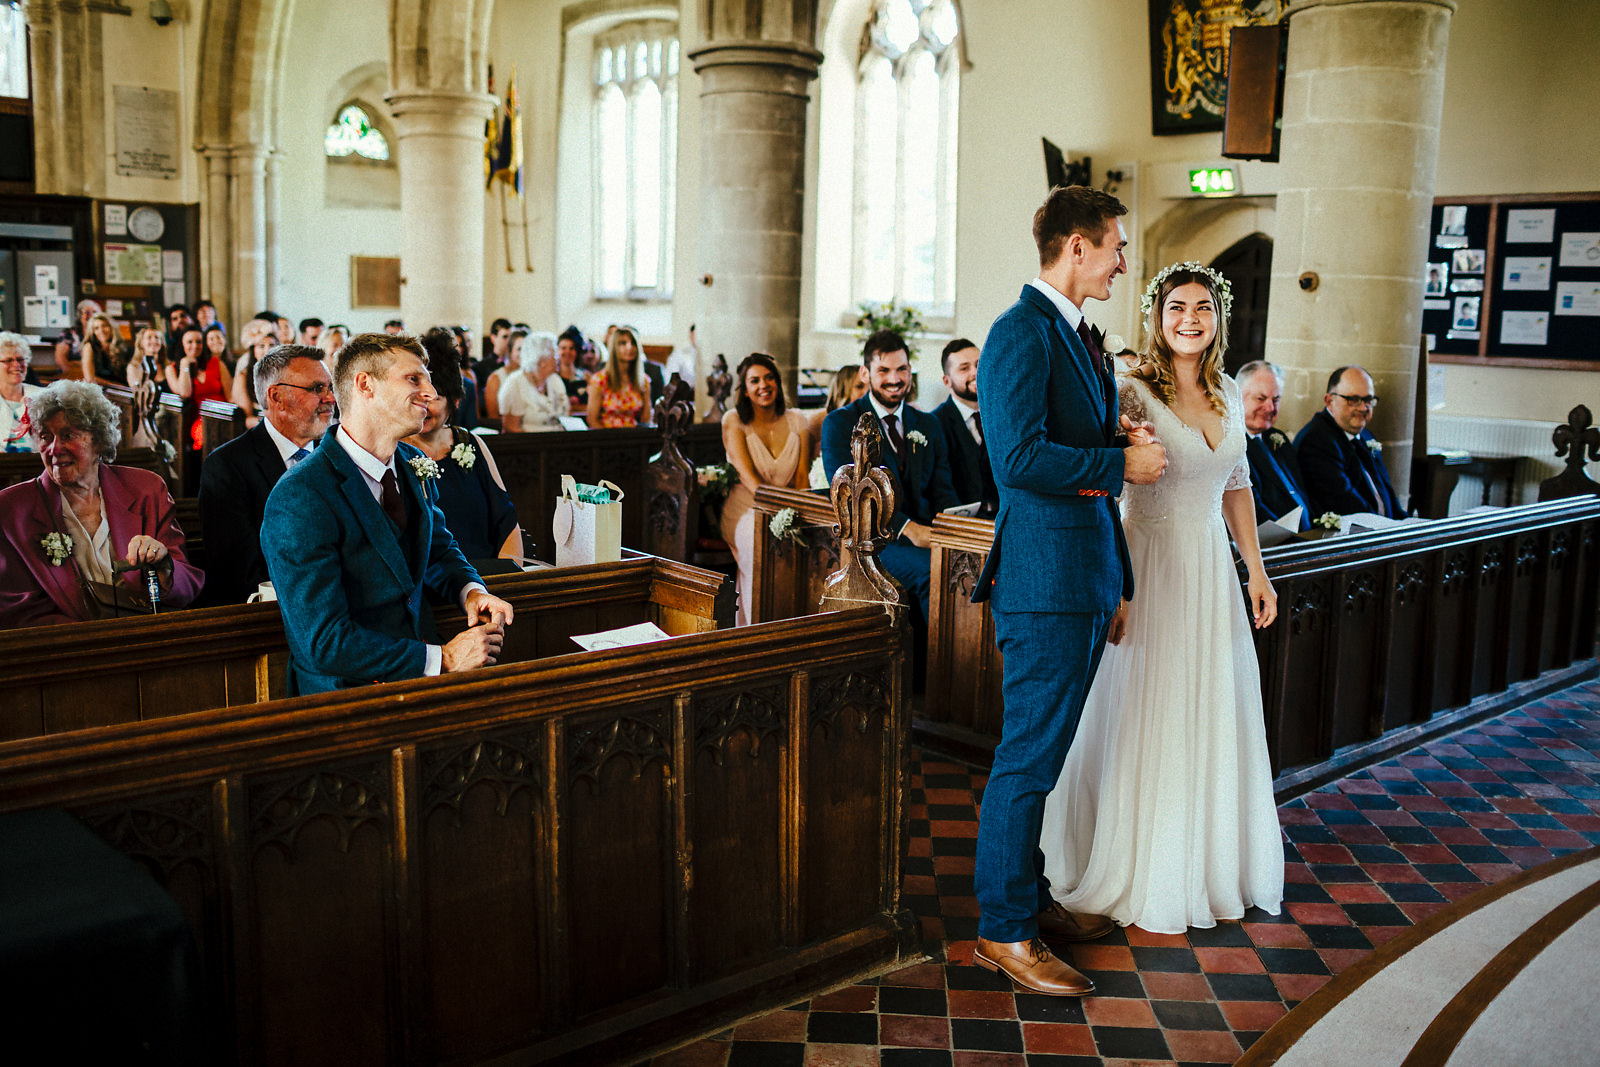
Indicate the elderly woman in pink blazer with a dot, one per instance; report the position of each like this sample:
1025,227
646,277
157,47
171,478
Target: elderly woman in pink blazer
75,541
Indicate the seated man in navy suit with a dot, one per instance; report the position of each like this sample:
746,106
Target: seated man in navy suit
1341,460
353,535
296,394
1275,477
914,453
963,428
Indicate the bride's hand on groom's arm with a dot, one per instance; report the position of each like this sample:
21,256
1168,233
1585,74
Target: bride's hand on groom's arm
1139,433
1119,624
1263,600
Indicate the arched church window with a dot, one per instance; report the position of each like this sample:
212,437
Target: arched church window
13,51
635,141
353,133
906,104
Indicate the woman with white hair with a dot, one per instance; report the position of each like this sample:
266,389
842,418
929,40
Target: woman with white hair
15,355
534,398
78,541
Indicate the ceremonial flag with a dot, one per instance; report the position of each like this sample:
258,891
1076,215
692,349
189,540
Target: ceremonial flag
491,139
508,153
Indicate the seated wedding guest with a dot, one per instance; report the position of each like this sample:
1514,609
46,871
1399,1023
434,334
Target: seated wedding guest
495,348
963,428
1341,460
101,357
74,540
205,314
510,363
331,340
619,395
198,376
914,452
310,331
296,394
467,414
848,386
178,320
569,347
1275,478
149,359
476,507
14,392
68,343
394,326
767,445
243,390
534,399
682,362
216,338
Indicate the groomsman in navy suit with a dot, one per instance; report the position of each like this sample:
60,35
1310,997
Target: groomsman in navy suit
1058,574
914,453
1342,461
1275,478
353,535
963,427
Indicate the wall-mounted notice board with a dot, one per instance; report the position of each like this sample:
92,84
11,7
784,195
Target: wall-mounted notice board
1514,281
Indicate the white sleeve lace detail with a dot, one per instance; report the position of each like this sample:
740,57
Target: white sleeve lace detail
1130,402
1240,476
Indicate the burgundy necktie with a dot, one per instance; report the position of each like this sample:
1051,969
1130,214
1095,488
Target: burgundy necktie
977,426
393,506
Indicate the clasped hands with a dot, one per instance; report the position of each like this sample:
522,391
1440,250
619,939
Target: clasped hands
479,644
1145,458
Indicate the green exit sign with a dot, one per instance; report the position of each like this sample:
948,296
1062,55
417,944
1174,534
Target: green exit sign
1213,181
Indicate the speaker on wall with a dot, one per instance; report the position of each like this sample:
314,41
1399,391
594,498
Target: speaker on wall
1253,118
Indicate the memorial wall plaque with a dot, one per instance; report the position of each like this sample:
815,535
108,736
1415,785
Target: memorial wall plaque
146,131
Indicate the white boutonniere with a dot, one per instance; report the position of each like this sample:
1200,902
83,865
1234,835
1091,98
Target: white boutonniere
464,455
57,547
1275,439
424,468
917,438
1374,446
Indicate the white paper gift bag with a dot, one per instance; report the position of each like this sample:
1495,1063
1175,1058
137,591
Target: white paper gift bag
586,530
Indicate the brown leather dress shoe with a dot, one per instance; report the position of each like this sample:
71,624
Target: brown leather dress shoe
1033,967
1058,924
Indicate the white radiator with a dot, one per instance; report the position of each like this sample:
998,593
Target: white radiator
1496,437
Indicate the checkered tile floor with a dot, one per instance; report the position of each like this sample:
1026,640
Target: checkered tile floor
1367,856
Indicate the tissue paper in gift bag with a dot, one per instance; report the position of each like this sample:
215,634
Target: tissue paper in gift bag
588,523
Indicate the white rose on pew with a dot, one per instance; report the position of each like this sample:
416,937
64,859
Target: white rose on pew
1328,520
464,455
819,477
782,525
424,468
57,547
918,438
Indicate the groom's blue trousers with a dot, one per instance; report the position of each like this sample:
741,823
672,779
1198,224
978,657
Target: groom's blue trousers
1050,659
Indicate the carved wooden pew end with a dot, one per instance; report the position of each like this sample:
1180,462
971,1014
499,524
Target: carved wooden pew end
863,499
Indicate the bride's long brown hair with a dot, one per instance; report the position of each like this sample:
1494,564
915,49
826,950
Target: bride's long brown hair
1155,366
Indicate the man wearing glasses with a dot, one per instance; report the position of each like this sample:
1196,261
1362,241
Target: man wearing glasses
296,394
1341,460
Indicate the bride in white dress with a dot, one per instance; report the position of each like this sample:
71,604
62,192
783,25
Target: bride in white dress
1163,817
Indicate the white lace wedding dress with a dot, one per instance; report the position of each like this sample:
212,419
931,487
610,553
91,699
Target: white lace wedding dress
1163,816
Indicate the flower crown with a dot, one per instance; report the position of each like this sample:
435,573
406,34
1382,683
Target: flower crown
1218,282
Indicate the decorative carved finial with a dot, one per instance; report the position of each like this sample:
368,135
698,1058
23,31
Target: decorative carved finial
1579,441
674,413
863,499
674,501
719,383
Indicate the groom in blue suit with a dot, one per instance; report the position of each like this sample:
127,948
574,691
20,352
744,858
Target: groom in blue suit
1058,576
352,536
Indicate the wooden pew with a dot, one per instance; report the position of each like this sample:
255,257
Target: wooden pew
532,465
581,859
1382,640
92,674
171,417
220,422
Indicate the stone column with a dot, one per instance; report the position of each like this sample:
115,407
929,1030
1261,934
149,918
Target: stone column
753,97
1363,92
440,137
248,186
216,273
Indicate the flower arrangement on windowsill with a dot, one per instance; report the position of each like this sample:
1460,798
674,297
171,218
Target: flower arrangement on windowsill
891,315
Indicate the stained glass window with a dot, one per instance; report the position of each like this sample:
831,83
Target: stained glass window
353,133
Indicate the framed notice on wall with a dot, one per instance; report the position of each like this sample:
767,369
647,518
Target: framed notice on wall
375,282
1515,280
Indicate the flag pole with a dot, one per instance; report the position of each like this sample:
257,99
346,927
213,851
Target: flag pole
527,256
505,229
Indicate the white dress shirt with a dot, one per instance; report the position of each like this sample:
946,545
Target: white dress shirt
373,469
286,447
1071,311
968,413
898,411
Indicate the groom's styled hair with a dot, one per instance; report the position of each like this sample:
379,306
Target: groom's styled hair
1071,209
